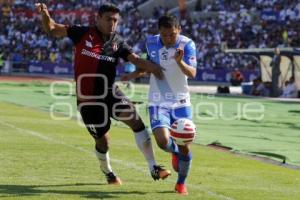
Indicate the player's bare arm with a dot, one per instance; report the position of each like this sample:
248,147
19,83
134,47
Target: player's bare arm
146,65
136,74
49,25
185,68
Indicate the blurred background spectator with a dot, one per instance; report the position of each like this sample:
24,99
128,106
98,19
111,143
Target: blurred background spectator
260,88
231,24
290,90
236,77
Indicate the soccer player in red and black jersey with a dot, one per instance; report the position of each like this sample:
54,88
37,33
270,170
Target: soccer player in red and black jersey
97,51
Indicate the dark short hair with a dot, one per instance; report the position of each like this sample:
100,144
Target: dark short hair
108,8
168,21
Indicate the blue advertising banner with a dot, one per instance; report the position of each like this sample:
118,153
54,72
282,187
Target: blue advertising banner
205,75
51,68
222,75
58,69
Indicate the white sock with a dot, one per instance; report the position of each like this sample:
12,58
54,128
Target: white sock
104,161
143,141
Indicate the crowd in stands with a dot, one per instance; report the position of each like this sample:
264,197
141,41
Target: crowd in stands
88,5
22,40
247,24
239,24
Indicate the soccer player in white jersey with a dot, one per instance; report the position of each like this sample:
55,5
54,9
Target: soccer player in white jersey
169,98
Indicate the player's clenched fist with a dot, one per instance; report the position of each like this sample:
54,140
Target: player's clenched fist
42,8
178,55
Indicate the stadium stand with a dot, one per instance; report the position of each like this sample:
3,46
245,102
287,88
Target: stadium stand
213,25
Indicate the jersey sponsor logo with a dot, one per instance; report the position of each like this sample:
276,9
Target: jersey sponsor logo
153,54
97,56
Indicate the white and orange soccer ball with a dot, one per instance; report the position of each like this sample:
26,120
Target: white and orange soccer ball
183,131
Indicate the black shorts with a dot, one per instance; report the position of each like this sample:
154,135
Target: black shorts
96,115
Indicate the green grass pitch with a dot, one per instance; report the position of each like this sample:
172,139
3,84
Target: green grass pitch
41,158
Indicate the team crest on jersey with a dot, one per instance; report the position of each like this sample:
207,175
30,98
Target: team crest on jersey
165,55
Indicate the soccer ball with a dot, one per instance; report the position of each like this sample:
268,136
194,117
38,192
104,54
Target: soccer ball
183,131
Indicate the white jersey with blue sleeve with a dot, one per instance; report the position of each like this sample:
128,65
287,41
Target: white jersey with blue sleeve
173,90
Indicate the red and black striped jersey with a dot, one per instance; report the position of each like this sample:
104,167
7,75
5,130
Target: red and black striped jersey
95,61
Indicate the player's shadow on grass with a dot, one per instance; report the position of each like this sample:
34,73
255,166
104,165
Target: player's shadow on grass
37,190
167,192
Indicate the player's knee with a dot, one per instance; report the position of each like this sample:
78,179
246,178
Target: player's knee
102,148
137,125
102,144
184,149
161,137
162,143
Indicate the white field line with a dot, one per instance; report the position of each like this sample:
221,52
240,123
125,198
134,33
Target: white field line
127,164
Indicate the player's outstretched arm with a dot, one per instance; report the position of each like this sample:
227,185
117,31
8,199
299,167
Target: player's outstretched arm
136,74
49,25
146,65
